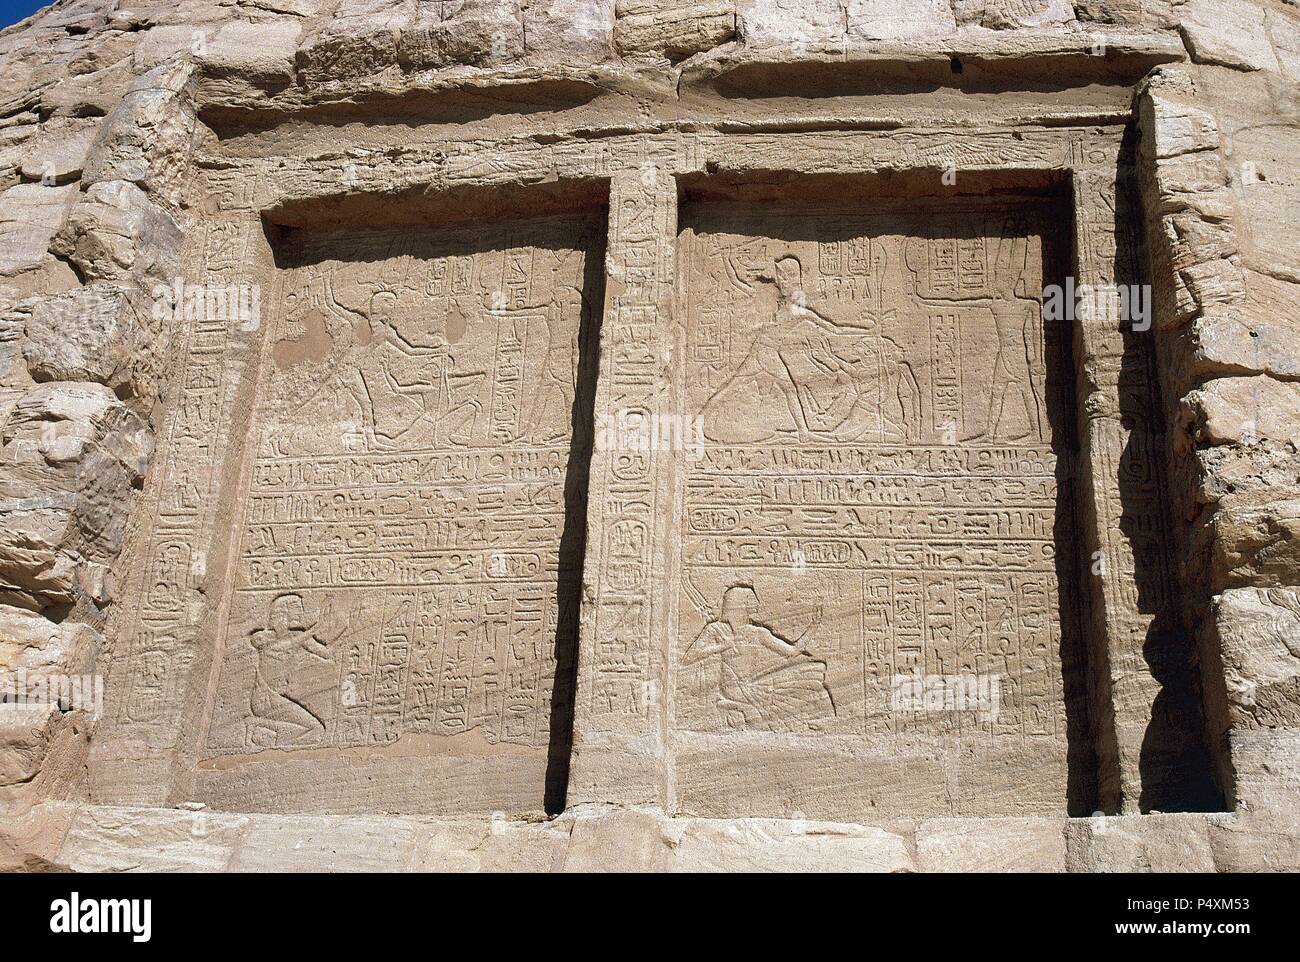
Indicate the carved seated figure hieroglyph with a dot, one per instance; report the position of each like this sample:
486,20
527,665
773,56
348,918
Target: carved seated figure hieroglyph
764,682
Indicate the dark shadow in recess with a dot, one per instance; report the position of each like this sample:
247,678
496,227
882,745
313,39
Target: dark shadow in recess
573,540
1071,565
410,109
969,73
1175,766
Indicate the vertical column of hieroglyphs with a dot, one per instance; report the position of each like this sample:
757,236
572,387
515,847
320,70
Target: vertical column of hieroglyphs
618,728
1121,461
400,574
216,312
870,602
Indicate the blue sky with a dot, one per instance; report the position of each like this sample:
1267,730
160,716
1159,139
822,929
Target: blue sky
11,11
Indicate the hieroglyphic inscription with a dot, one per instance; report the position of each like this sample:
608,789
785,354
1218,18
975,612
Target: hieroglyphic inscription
400,568
213,351
622,667
619,710
885,488
1133,602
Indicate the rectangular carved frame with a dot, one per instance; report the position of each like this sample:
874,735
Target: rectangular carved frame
622,753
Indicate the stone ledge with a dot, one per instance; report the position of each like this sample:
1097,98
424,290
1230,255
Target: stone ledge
90,838
1128,53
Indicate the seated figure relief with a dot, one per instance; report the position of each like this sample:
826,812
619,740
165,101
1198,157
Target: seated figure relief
764,681
811,375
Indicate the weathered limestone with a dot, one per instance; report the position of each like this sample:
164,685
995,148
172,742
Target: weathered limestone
74,453
615,434
1140,843
146,140
93,838
1009,845
115,232
1008,14
26,741
30,215
261,53
479,34
1232,342
34,644
1259,635
58,154
1226,364
1255,539
30,838
88,334
674,31
84,451
1229,33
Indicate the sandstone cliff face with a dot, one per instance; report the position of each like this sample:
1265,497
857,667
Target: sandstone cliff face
798,252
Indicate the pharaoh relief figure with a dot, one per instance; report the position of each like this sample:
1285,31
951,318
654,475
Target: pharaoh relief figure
548,324
802,377
1015,410
764,681
423,381
1014,407
289,639
387,365
409,383
400,365
1016,404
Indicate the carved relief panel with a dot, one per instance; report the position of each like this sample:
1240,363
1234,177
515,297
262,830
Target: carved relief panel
859,589
878,542
403,575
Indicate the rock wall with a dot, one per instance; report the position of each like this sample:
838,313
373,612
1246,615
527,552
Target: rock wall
789,248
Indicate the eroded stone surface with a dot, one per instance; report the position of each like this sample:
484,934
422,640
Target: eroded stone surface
642,411
87,334
30,214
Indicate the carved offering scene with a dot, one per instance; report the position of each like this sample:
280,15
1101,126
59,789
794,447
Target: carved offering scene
403,607
879,556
